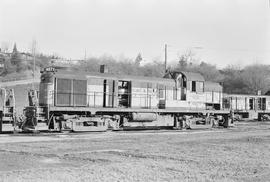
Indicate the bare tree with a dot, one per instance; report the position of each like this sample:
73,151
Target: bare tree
138,59
233,81
186,60
256,77
209,71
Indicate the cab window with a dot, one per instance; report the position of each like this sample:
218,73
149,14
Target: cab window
193,86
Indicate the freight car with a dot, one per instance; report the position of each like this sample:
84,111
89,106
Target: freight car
12,101
83,101
248,107
7,112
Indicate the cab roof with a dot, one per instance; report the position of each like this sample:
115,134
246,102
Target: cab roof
191,76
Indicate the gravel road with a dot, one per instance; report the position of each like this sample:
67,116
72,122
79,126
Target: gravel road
235,154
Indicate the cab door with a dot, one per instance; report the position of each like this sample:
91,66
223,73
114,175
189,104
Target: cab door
110,93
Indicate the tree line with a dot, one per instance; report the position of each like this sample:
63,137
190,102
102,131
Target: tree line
247,80
250,79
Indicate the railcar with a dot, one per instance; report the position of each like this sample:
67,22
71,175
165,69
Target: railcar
248,107
83,101
7,111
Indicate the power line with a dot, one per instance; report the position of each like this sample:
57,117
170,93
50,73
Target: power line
203,48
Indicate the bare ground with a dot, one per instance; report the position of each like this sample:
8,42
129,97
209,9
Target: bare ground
236,154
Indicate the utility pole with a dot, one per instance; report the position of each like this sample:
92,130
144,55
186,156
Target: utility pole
34,44
84,54
165,65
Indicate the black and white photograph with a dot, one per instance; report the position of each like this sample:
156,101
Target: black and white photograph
134,90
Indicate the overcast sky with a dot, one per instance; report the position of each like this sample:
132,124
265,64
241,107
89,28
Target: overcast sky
227,31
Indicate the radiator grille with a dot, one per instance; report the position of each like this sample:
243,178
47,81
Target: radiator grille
80,92
63,92
71,92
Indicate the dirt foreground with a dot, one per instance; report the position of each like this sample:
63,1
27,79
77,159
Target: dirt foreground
236,154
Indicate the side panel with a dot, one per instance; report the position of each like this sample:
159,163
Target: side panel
152,95
146,95
95,90
80,92
195,96
216,97
46,94
70,92
209,97
268,103
63,92
139,95
241,103
46,89
233,103
111,93
169,93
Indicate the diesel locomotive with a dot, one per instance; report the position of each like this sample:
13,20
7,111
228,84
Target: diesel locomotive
83,101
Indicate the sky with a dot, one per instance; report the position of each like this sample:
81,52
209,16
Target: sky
220,32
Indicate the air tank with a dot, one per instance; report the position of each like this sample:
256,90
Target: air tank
144,117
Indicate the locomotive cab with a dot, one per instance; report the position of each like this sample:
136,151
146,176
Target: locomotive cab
193,92
188,91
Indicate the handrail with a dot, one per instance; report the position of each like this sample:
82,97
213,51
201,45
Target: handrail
91,98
